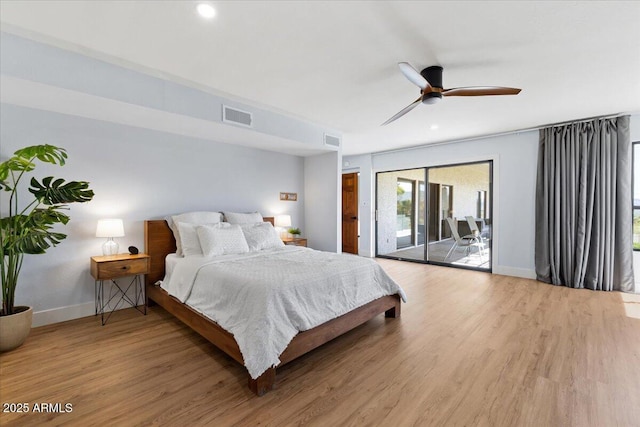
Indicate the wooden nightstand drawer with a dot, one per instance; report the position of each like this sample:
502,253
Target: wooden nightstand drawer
295,241
112,266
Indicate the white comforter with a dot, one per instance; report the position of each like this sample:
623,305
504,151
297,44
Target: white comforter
265,298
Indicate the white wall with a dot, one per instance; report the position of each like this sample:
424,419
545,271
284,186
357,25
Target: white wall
323,203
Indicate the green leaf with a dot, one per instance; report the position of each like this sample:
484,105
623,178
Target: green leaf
49,216
32,234
57,192
22,161
45,153
14,164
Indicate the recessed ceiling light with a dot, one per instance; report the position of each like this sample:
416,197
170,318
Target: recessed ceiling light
433,127
206,10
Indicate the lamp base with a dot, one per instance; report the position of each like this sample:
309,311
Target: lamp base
110,247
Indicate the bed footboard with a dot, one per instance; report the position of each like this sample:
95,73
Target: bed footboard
301,344
306,341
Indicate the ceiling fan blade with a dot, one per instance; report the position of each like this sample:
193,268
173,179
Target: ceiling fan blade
481,91
413,75
404,111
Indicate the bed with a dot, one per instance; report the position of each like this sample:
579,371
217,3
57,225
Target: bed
160,243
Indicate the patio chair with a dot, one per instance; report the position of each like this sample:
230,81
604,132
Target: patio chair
475,231
466,242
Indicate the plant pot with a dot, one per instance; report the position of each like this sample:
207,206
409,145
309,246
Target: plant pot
15,328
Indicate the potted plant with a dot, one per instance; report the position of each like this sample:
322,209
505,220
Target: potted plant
295,232
28,228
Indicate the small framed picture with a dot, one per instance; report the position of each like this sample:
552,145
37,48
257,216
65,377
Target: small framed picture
289,197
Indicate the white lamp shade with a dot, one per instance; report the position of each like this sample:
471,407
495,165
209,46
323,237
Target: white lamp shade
282,221
110,228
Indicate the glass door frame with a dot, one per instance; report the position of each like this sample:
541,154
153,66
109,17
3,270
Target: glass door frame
416,220
425,259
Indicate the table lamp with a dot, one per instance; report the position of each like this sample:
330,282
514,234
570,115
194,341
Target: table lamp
282,222
110,228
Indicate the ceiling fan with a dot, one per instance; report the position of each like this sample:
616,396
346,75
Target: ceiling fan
429,81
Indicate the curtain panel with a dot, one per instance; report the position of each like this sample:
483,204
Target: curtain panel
584,205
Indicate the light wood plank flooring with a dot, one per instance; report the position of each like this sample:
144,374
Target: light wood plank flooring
470,349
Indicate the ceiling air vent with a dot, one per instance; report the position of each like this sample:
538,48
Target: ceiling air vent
237,117
331,140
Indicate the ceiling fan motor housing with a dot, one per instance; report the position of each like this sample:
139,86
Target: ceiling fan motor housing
433,75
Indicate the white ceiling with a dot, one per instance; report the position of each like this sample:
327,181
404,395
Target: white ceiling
334,62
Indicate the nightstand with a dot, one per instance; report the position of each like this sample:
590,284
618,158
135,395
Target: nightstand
112,267
295,241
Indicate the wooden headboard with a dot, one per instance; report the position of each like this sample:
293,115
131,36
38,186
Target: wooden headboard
158,243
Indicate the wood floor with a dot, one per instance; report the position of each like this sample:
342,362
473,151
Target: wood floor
470,349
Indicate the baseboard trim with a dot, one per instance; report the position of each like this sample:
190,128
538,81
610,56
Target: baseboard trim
62,314
525,273
71,312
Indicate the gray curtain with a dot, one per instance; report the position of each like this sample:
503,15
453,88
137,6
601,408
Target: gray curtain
584,205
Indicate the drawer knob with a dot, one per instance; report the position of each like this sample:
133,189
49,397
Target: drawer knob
125,267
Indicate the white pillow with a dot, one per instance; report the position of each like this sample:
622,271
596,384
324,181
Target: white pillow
190,244
243,218
190,239
198,218
221,240
261,236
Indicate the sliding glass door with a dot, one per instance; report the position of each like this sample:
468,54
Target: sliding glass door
439,215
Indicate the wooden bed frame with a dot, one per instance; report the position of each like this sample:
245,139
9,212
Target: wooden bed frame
159,242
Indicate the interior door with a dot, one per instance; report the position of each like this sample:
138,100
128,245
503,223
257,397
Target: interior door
350,213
